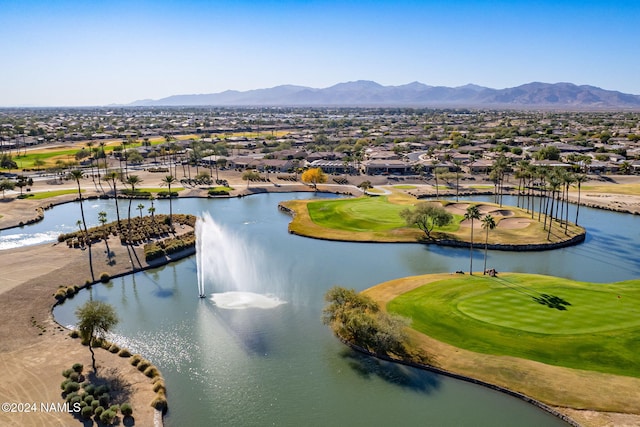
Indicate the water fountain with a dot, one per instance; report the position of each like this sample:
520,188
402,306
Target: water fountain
237,270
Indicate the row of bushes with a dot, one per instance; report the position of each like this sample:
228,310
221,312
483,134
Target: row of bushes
169,246
143,365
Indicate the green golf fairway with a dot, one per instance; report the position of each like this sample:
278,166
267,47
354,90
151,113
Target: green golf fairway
363,214
542,318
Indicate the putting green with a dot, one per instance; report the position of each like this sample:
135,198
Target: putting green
542,318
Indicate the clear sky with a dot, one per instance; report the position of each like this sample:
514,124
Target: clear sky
77,53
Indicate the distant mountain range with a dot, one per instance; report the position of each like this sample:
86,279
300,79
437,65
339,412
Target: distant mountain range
364,93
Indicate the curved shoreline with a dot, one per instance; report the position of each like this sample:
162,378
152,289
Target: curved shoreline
168,259
468,379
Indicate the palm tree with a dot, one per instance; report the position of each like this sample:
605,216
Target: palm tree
488,223
168,180
140,207
472,213
77,175
554,184
102,218
580,178
112,178
132,180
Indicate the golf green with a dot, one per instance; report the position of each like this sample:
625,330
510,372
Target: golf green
543,318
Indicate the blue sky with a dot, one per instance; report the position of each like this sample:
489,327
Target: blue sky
76,53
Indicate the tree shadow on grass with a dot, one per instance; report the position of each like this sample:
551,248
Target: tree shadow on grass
393,373
552,301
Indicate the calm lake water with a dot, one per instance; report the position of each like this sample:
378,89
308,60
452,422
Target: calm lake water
281,366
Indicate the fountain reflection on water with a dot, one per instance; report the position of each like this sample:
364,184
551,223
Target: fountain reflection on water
238,270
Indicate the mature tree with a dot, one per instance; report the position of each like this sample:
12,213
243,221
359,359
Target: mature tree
250,175
365,185
6,184
427,216
488,223
471,214
314,176
554,184
357,319
95,320
168,181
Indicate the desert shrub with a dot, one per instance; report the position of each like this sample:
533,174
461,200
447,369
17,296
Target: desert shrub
107,417
114,348
151,372
159,386
104,277
74,376
88,399
135,359
70,396
64,383
78,367
160,402
86,412
95,403
101,389
67,372
60,294
74,334
98,411
143,365
152,251
90,389
75,400
104,399
71,386
114,408
126,409
124,353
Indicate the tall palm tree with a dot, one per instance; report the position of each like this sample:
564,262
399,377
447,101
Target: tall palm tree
472,213
488,223
580,178
168,180
112,178
140,207
77,175
102,218
132,180
554,184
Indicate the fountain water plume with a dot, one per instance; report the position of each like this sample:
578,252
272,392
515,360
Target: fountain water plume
237,269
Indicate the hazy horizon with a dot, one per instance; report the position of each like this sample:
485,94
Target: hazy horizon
93,54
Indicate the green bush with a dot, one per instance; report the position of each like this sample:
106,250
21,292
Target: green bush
159,386
107,417
124,353
126,409
101,389
104,399
78,367
75,400
114,348
70,396
98,411
67,372
74,334
104,277
90,389
86,412
88,399
114,408
74,376
71,387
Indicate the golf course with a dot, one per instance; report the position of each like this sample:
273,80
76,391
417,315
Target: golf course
379,219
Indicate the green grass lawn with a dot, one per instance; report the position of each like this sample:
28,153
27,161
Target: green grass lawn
547,319
405,187
362,214
46,194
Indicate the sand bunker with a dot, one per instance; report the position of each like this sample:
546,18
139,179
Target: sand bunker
514,223
501,212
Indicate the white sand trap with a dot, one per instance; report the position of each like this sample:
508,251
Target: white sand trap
241,300
514,223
